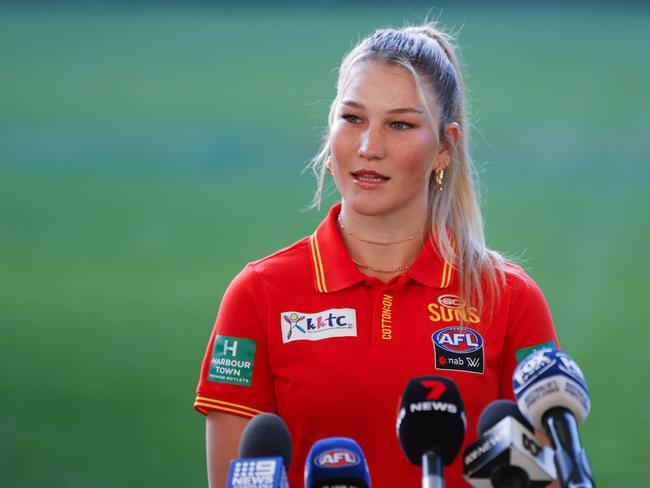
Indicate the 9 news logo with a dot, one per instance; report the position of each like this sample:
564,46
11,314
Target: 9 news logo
253,473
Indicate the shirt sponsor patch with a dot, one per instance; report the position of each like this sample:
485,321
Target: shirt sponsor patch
232,361
335,322
525,351
459,349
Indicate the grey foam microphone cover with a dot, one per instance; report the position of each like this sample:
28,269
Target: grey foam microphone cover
266,435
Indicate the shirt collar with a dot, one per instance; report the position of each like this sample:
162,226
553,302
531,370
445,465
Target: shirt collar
334,269
429,268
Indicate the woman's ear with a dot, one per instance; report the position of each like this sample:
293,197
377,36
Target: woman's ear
453,137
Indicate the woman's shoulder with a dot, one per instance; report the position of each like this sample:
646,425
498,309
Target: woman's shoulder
291,255
518,282
288,260
264,281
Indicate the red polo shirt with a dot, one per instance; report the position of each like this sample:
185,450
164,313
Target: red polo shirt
303,333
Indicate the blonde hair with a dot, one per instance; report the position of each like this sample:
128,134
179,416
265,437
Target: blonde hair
455,215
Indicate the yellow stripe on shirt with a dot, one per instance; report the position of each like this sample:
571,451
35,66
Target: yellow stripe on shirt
318,264
445,270
222,409
449,273
219,403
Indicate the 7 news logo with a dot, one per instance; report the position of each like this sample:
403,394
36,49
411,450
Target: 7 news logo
436,389
434,392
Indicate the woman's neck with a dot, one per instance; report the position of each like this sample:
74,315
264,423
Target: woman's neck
383,246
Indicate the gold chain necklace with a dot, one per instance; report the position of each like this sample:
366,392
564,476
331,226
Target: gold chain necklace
382,270
376,243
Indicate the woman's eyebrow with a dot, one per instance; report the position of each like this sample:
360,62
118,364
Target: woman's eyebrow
352,103
405,110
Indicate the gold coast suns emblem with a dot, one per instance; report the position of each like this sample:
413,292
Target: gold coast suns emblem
452,309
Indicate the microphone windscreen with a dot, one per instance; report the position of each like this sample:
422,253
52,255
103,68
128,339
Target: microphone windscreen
336,461
266,435
548,378
498,410
431,417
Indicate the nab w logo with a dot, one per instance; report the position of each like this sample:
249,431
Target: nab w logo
458,348
436,389
474,362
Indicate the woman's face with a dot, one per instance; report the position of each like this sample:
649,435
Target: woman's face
384,147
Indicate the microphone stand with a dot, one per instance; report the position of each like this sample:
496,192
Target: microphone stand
432,470
570,458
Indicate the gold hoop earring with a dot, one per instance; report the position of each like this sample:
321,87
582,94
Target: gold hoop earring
328,166
439,179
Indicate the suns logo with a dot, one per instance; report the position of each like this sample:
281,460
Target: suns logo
451,301
451,308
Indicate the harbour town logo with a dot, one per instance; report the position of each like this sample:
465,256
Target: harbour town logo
232,361
335,322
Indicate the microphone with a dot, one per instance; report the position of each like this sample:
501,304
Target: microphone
431,425
552,394
264,455
507,455
336,462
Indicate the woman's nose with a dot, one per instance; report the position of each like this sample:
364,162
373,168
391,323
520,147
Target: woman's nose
372,144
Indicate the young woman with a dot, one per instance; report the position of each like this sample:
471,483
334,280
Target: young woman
396,282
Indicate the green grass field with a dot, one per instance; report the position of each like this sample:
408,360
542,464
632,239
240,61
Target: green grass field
147,154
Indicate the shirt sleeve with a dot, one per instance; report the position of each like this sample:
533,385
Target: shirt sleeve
529,326
235,374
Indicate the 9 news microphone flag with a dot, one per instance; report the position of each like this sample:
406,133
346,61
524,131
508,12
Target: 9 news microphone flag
431,425
336,461
507,454
264,455
552,394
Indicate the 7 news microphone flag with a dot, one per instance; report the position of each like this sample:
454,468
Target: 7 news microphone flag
552,394
264,455
431,425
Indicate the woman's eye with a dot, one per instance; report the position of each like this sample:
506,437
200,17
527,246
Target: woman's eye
353,119
401,125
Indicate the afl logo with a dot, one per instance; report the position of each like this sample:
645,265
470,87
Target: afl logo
337,458
458,339
451,301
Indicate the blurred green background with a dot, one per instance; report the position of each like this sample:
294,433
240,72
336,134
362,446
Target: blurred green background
147,152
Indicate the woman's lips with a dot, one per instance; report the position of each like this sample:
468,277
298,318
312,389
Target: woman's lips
369,179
